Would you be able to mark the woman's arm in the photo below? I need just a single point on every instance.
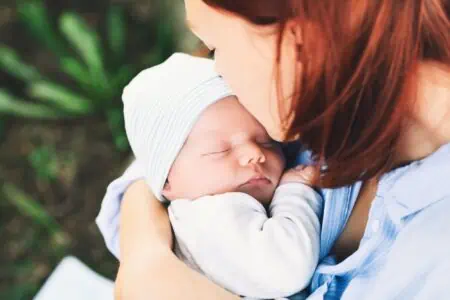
(149, 269)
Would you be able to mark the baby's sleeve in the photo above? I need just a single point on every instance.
(237, 245)
(108, 219)
(295, 212)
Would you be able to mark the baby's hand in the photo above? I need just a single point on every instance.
(300, 174)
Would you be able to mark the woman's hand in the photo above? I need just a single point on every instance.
(301, 174)
(144, 235)
(148, 268)
(144, 226)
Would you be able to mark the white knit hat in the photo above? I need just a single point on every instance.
(161, 106)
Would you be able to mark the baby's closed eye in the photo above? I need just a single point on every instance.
(267, 142)
(216, 149)
(217, 152)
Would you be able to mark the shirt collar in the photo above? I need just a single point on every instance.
(412, 188)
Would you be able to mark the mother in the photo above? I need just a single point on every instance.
(365, 86)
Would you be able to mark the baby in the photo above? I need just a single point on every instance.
(236, 217)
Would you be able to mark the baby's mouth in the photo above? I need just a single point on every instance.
(257, 179)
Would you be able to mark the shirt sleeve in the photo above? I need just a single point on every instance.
(108, 219)
(418, 263)
(237, 245)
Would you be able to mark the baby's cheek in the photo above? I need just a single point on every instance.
(208, 181)
(278, 162)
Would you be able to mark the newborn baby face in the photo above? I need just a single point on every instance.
(228, 150)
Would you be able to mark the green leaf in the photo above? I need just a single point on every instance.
(11, 63)
(45, 163)
(76, 71)
(101, 87)
(85, 78)
(165, 44)
(61, 97)
(10, 105)
(121, 142)
(2, 130)
(121, 78)
(30, 207)
(116, 126)
(84, 40)
(34, 15)
(165, 39)
(116, 32)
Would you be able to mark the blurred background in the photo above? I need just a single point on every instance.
(63, 65)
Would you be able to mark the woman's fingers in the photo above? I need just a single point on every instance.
(301, 174)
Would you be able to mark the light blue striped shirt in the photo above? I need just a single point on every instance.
(405, 250)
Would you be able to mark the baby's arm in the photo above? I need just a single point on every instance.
(238, 246)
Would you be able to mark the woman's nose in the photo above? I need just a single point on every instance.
(251, 154)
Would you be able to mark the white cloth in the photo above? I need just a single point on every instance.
(232, 240)
(73, 280)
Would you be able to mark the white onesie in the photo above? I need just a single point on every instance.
(235, 242)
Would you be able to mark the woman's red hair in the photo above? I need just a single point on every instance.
(359, 60)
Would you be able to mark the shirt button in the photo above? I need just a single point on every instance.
(375, 226)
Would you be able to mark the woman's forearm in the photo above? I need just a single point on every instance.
(166, 277)
(149, 269)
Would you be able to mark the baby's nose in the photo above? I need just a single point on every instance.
(251, 154)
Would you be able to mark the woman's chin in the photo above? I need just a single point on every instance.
(282, 136)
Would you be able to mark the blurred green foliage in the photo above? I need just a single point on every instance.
(32, 209)
(58, 240)
(99, 69)
(44, 162)
(96, 55)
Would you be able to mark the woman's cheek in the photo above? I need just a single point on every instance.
(222, 61)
